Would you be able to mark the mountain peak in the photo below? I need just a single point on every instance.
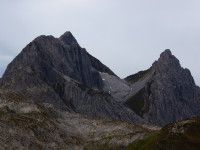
(169, 93)
(167, 59)
(166, 53)
(68, 38)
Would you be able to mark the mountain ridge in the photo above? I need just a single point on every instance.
(169, 89)
(58, 71)
(64, 75)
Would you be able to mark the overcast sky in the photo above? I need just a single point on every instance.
(126, 35)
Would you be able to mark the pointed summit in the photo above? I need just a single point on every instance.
(68, 38)
(168, 94)
(167, 60)
(167, 52)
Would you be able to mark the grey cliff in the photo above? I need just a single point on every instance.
(169, 94)
(58, 71)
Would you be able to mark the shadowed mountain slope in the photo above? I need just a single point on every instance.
(169, 94)
(58, 71)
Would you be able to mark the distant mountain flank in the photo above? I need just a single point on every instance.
(58, 71)
(169, 93)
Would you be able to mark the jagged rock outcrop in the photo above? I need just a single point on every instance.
(47, 56)
(169, 94)
(60, 72)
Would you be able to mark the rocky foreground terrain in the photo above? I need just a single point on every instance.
(31, 125)
(55, 95)
(37, 126)
(165, 93)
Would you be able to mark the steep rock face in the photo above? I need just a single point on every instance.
(60, 72)
(99, 66)
(42, 64)
(93, 102)
(46, 56)
(169, 95)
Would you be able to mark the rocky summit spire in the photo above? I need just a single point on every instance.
(167, 52)
(60, 72)
(169, 94)
(166, 61)
(68, 38)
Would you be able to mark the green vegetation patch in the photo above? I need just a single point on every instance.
(178, 136)
(144, 143)
(136, 77)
